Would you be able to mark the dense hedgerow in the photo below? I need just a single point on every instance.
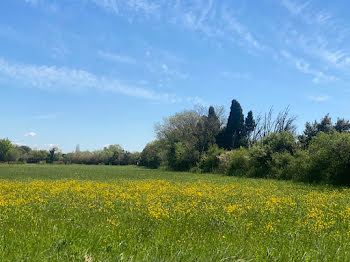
(327, 159)
(262, 148)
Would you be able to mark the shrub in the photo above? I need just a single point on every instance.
(224, 162)
(280, 142)
(299, 167)
(210, 160)
(280, 166)
(259, 161)
(330, 158)
(239, 163)
(271, 157)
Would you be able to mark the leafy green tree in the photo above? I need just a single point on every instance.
(5, 147)
(180, 132)
(13, 154)
(221, 138)
(330, 158)
(325, 125)
(117, 154)
(153, 154)
(25, 149)
(311, 130)
(202, 134)
(208, 128)
(342, 125)
(36, 156)
(134, 158)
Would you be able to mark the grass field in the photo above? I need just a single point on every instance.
(110, 213)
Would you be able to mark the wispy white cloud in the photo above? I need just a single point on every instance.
(215, 20)
(171, 72)
(31, 134)
(322, 49)
(322, 98)
(209, 17)
(124, 7)
(46, 5)
(304, 67)
(234, 26)
(308, 14)
(116, 58)
(61, 78)
(325, 37)
(32, 2)
(53, 78)
(294, 7)
(154, 64)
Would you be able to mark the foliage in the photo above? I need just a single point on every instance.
(330, 158)
(153, 154)
(112, 155)
(235, 127)
(36, 156)
(224, 161)
(280, 143)
(325, 126)
(187, 136)
(210, 160)
(239, 163)
(280, 166)
(299, 167)
(249, 127)
(5, 147)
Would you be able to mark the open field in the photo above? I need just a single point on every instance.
(111, 213)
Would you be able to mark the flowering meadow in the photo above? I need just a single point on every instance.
(111, 213)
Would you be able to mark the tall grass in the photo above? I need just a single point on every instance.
(111, 213)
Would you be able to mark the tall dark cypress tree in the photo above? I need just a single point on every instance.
(213, 126)
(235, 126)
(249, 126)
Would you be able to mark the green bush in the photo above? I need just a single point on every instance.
(299, 167)
(210, 160)
(280, 166)
(259, 163)
(272, 156)
(239, 163)
(280, 143)
(330, 158)
(224, 162)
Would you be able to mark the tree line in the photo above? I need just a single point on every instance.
(111, 155)
(203, 140)
(264, 146)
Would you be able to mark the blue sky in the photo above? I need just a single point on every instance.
(97, 72)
